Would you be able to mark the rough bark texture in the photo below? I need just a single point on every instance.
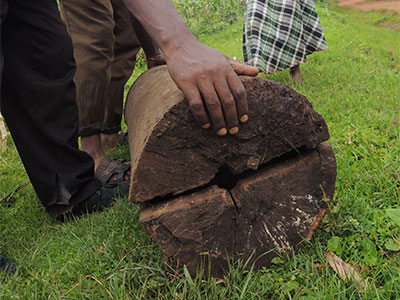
(267, 212)
(171, 153)
(206, 198)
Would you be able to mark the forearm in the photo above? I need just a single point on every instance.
(149, 46)
(207, 77)
(162, 22)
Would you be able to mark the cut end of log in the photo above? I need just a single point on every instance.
(207, 199)
(266, 213)
(171, 153)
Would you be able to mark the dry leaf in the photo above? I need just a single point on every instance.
(345, 271)
(355, 266)
(319, 267)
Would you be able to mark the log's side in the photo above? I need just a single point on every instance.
(268, 212)
(171, 154)
(150, 98)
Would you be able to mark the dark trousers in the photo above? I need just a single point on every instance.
(38, 101)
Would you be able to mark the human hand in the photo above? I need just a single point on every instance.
(156, 60)
(209, 80)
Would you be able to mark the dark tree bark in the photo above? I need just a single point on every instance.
(206, 198)
(171, 153)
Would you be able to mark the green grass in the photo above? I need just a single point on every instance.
(209, 16)
(355, 85)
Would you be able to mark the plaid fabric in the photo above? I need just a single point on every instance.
(279, 34)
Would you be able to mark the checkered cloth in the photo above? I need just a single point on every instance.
(279, 34)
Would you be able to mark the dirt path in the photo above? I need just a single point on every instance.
(371, 5)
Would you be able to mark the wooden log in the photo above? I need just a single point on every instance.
(265, 213)
(205, 198)
(171, 154)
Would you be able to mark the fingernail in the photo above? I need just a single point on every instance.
(244, 118)
(234, 130)
(222, 131)
(206, 126)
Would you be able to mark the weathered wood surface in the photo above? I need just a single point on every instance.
(251, 196)
(267, 212)
(190, 225)
(171, 153)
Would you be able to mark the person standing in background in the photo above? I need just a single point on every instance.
(279, 34)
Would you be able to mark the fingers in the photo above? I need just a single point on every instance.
(214, 108)
(240, 95)
(212, 87)
(222, 102)
(154, 61)
(228, 105)
(160, 59)
(196, 106)
(243, 69)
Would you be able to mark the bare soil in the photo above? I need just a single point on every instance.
(367, 5)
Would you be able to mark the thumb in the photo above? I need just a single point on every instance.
(160, 59)
(243, 69)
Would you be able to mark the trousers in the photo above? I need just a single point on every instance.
(105, 48)
(38, 101)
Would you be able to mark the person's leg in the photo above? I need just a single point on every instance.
(126, 48)
(6, 265)
(295, 73)
(3, 16)
(91, 26)
(38, 103)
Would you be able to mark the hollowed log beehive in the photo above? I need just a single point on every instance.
(249, 195)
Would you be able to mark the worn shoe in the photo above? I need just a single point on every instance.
(103, 198)
(108, 167)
